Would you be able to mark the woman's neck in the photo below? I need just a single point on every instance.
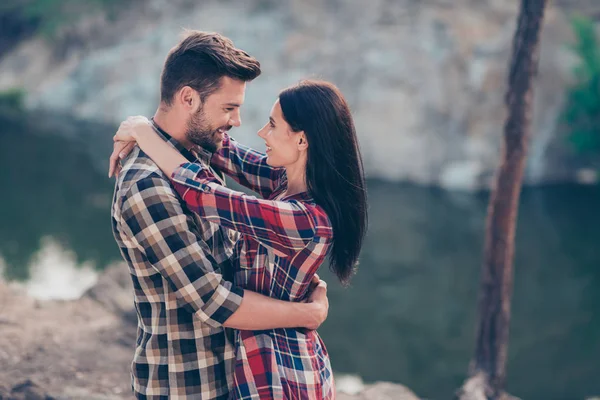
(296, 178)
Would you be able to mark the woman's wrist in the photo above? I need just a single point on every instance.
(141, 131)
(143, 135)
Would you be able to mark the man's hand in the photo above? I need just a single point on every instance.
(318, 297)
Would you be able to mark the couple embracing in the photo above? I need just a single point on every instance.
(225, 284)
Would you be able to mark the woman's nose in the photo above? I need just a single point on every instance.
(261, 132)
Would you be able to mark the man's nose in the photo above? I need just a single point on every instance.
(235, 120)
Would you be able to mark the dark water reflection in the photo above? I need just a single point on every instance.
(410, 313)
(51, 188)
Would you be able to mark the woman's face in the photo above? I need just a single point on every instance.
(284, 146)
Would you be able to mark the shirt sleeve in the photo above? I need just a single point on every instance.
(247, 166)
(285, 226)
(170, 241)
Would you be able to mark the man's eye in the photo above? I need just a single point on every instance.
(229, 109)
(272, 125)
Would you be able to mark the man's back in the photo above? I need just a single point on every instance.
(181, 298)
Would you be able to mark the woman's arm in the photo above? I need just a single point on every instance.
(247, 166)
(138, 129)
(285, 226)
(164, 155)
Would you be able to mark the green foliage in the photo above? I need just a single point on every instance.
(12, 99)
(582, 111)
(50, 15)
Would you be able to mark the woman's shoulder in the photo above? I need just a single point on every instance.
(322, 224)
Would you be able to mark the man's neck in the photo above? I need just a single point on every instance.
(173, 125)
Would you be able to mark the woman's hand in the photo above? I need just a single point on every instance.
(125, 139)
(120, 151)
(131, 128)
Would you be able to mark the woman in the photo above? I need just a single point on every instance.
(312, 182)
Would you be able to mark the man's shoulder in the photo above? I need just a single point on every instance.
(139, 171)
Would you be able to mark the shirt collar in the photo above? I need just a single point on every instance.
(191, 155)
(302, 196)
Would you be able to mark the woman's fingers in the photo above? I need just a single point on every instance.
(126, 150)
(124, 134)
(113, 161)
(124, 142)
(120, 151)
(127, 128)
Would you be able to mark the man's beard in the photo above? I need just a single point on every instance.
(200, 133)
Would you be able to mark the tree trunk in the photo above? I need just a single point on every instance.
(487, 371)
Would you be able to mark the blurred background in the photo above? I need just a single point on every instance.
(426, 82)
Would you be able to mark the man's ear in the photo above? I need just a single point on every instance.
(189, 98)
(302, 141)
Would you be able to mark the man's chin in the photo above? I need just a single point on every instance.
(208, 146)
(218, 145)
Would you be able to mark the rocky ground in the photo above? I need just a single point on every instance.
(64, 350)
(82, 349)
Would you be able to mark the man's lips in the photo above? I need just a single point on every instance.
(222, 130)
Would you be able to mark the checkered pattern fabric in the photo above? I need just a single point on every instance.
(176, 261)
(282, 245)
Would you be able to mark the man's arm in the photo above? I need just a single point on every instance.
(158, 226)
(253, 314)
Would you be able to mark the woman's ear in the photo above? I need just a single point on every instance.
(302, 142)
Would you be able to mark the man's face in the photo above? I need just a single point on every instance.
(219, 113)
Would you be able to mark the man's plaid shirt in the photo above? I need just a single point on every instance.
(176, 263)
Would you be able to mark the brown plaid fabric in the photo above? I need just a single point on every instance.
(177, 263)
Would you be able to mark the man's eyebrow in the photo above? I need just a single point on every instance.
(272, 120)
(233, 104)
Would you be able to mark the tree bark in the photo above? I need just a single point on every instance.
(487, 372)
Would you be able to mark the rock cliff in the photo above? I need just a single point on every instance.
(425, 79)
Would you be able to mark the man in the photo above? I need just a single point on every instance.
(178, 261)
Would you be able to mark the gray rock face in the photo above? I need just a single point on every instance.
(425, 79)
(114, 292)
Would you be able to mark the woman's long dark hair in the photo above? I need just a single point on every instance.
(334, 168)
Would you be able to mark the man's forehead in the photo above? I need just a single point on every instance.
(231, 92)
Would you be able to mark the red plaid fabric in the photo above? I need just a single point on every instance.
(282, 245)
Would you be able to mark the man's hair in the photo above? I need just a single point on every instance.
(200, 60)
